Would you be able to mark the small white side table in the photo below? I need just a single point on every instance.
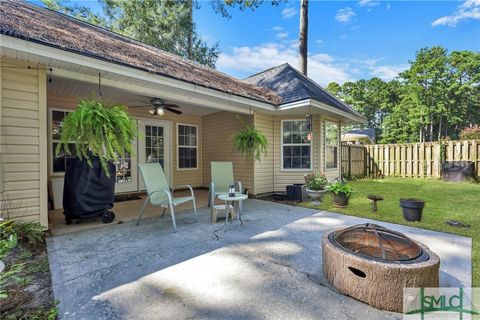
(231, 201)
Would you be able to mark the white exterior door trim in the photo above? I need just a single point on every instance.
(168, 148)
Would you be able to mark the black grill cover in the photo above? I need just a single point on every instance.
(88, 192)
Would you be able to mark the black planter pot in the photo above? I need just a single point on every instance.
(340, 200)
(412, 209)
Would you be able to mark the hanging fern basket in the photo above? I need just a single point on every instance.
(98, 130)
(251, 142)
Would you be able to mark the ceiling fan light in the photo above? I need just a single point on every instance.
(152, 111)
(159, 111)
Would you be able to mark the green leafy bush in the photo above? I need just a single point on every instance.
(98, 130)
(340, 187)
(32, 233)
(316, 181)
(251, 142)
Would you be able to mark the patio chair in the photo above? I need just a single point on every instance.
(222, 177)
(159, 193)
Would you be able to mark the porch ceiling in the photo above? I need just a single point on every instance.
(69, 87)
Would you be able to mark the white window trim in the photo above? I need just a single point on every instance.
(51, 153)
(294, 144)
(331, 145)
(178, 146)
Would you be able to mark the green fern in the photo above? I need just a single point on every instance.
(98, 130)
(251, 142)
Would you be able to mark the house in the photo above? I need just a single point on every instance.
(354, 136)
(49, 60)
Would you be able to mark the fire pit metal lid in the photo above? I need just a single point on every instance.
(375, 242)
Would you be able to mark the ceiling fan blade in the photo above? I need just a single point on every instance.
(171, 105)
(172, 110)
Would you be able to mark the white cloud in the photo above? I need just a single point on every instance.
(282, 35)
(289, 12)
(389, 6)
(368, 3)
(322, 67)
(319, 42)
(345, 15)
(277, 28)
(469, 9)
(387, 72)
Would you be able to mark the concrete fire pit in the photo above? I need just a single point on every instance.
(374, 264)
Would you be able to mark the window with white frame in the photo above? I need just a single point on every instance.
(187, 140)
(331, 145)
(296, 147)
(58, 162)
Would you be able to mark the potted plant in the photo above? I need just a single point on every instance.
(341, 192)
(316, 185)
(412, 209)
(101, 134)
(251, 142)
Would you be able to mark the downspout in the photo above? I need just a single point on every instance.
(274, 153)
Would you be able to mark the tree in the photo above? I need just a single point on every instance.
(438, 96)
(303, 37)
(167, 25)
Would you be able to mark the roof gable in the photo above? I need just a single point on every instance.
(36, 24)
(291, 86)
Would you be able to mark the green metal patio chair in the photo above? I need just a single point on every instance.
(159, 193)
(222, 177)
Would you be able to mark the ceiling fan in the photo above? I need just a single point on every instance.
(158, 107)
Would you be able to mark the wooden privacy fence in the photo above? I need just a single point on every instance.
(353, 161)
(416, 160)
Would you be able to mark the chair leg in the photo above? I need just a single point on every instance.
(172, 213)
(163, 212)
(194, 209)
(142, 210)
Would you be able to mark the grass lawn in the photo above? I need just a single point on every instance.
(455, 201)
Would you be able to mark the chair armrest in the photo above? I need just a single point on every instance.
(239, 184)
(184, 186)
(169, 195)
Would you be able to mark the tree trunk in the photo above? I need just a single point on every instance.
(190, 32)
(303, 38)
(440, 122)
(431, 129)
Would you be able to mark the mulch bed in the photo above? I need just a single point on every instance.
(27, 284)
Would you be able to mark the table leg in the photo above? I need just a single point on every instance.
(226, 212)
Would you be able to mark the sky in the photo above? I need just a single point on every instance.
(348, 40)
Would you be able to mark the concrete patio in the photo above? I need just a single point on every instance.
(269, 268)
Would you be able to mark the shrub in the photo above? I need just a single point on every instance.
(316, 181)
(471, 133)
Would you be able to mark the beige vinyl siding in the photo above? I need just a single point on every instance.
(23, 140)
(218, 129)
(264, 168)
(192, 177)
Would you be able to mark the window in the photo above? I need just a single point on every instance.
(187, 146)
(331, 145)
(296, 147)
(58, 162)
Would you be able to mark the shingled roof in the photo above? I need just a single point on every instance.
(292, 86)
(36, 24)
